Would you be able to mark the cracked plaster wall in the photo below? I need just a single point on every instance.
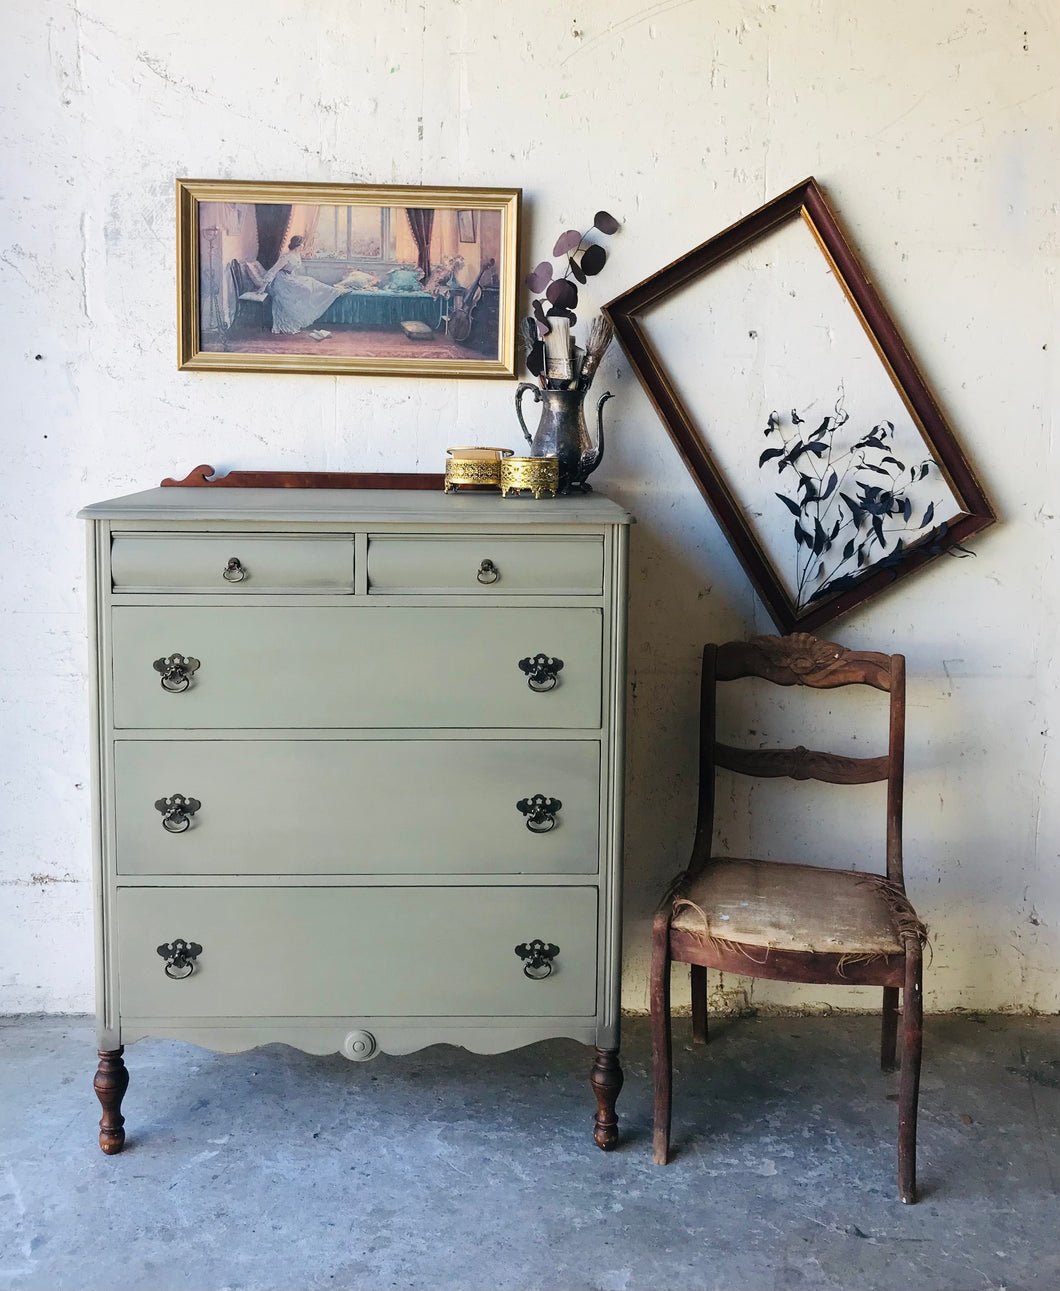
(933, 130)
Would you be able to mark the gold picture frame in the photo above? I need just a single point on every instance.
(346, 278)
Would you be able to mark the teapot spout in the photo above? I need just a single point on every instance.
(592, 459)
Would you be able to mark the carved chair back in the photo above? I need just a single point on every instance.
(802, 660)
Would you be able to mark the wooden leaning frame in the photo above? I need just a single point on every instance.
(804, 202)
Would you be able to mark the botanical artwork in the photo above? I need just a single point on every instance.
(799, 411)
(347, 278)
(856, 505)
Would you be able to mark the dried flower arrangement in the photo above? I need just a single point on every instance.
(552, 354)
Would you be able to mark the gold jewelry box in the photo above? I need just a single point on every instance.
(474, 467)
(538, 474)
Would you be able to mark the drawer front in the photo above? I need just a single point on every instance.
(202, 563)
(558, 566)
(355, 666)
(358, 807)
(357, 952)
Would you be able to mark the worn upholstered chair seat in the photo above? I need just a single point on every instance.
(778, 905)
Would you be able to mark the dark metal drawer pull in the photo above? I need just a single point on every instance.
(233, 572)
(176, 670)
(180, 957)
(540, 812)
(539, 956)
(177, 812)
(542, 671)
(488, 572)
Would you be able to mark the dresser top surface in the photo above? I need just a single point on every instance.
(372, 506)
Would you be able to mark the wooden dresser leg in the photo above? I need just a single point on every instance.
(606, 1080)
(110, 1084)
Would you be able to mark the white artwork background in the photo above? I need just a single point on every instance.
(767, 331)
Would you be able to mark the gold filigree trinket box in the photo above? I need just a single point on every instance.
(474, 467)
(537, 474)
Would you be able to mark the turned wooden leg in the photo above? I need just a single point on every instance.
(909, 1080)
(606, 1079)
(110, 1084)
(698, 975)
(889, 1028)
(661, 1053)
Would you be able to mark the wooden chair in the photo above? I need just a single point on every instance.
(250, 300)
(786, 921)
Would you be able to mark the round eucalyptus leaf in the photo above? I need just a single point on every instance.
(593, 259)
(562, 293)
(605, 223)
(539, 278)
(566, 242)
(576, 269)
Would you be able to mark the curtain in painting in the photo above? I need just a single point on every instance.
(272, 220)
(302, 222)
(421, 222)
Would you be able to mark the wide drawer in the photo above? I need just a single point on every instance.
(355, 666)
(358, 807)
(319, 564)
(488, 565)
(357, 952)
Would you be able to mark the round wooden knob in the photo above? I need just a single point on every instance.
(359, 1046)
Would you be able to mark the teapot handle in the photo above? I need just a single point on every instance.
(520, 390)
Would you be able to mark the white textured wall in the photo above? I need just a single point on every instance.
(933, 128)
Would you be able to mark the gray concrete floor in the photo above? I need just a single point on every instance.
(281, 1171)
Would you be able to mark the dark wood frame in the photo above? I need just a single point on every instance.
(797, 660)
(805, 201)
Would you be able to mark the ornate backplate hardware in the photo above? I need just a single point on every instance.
(539, 956)
(540, 812)
(180, 957)
(542, 671)
(177, 812)
(176, 670)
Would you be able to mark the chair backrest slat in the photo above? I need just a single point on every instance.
(802, 660)
(801, 764)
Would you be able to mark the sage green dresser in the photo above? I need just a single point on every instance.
(358, 769)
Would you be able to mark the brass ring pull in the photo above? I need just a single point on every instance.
(538, 956)
(176, 670)
(180, 957)
(233, 572)
(177, 812)
(488, 572)
(540, 812)
(542, 672)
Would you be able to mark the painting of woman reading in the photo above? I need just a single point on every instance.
(354, 286)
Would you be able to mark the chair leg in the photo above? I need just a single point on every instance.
(662, 1058)
(889, 1028)
(698, 976)
(909, 1081)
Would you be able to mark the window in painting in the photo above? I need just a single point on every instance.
(354, 232)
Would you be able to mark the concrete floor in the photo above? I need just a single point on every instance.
(281, 1171)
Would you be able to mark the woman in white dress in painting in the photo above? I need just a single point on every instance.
(297, 299)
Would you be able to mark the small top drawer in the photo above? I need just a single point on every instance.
(241, 564)
(488, 565)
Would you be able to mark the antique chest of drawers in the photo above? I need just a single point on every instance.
(358, 773)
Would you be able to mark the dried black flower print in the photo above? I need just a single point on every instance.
(852, 502)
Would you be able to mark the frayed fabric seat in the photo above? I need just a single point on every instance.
(790, 921)
(779, 905)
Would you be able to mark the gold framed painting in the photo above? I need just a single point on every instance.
(346, 278)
